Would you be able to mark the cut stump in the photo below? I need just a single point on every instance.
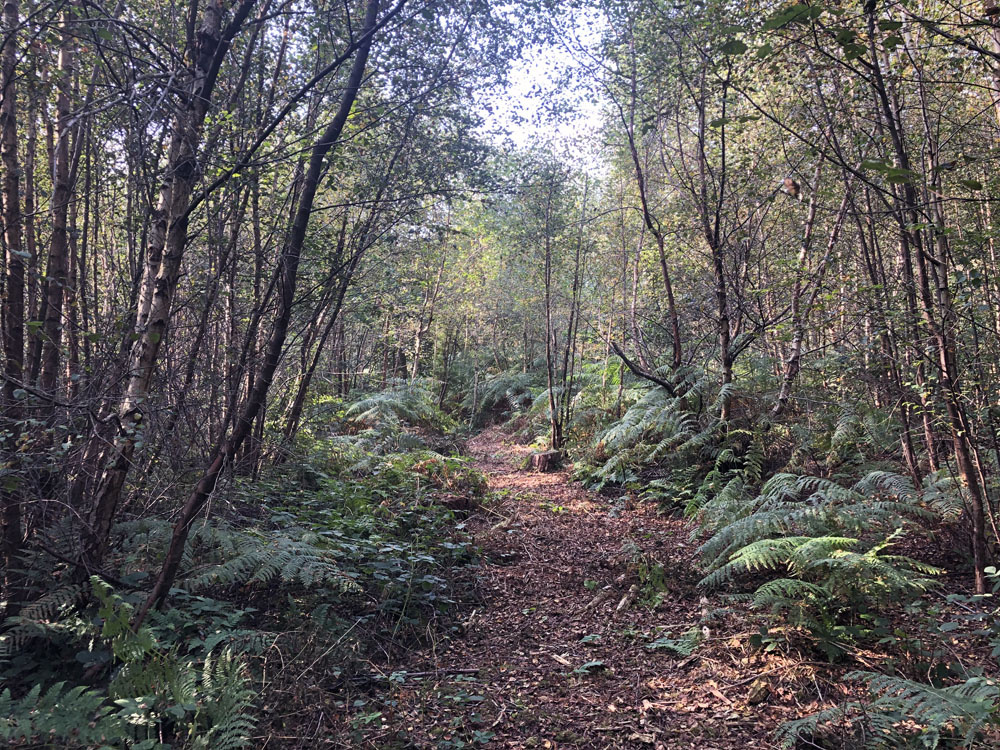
(546, 460)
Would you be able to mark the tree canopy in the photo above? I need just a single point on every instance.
(268, 266)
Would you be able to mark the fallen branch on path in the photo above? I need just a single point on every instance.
(378, 677)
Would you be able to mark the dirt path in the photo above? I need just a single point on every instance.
(540, 664)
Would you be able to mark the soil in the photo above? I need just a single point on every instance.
(562, 644)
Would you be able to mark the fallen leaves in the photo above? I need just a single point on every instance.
(560, 629)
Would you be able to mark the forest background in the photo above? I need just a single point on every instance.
(268, 263)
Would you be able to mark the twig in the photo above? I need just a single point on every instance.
(375, 677)
(601, 597)
(782, 668)
(630, 596)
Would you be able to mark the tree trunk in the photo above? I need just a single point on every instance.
(13, 306)
(289, 264)
(165, 251)
(555, 422)
(941, 330)
(57, 267)
(800, 313)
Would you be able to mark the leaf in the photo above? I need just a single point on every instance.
(899, 176)
(846, 36)
(971, 184)
(591, 666)
(853, 51)
(876, 165)
(734, 47)
(797, 13)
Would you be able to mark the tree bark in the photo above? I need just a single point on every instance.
(13, 305)
(800, 312)
(57, 266)
(938, 303)
(555, 422)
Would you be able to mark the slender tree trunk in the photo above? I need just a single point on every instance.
(13, 307)
(298, 403)
(289, 264)
(800, 313)
(165, 251)
(57, 267)
(423, 326)
(942, 329)
(555, 421)
(33, 313)
(655, 229)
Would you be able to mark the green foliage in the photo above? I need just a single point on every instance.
(76, 715)
(43, 618)
(154, 692)
(409, 402)
(656, 428)
(683, 646)
(358, 434)
(230, 557)
(827, 584)
(790, 504)
(797, 529)
(448, 473)
(306, 556)
(506, 393)
(869, 575)
(901, 713)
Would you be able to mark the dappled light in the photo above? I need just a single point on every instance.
(539, 374)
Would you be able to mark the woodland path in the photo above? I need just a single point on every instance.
(514, 678)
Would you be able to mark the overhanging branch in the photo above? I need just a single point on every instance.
(642, 373)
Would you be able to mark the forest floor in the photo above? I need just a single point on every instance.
(573, 635)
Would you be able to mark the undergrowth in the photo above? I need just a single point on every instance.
(802, 520)
(335, 556)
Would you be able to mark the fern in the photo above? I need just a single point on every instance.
(789, 593)
(791, 504)
(826, 581)
(901, 711)
(126, 645)
(44, 618)
(791, 552)
(247, 559)
(686, 645)
(509, 392)
(942, 493)
(411, 402)
(74, 716)
(223, 721)
(830, 559)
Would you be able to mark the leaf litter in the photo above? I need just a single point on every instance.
(582, 627)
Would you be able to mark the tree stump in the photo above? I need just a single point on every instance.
(546, 460)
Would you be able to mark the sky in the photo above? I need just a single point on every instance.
(543, 105)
